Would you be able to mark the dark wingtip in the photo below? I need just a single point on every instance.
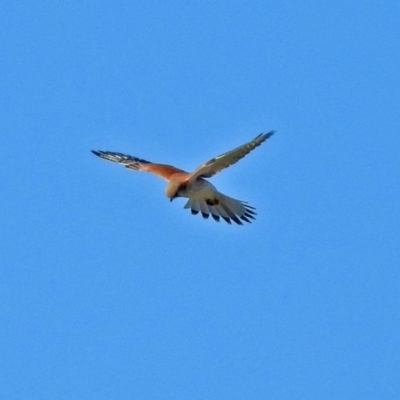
(226, 219)
(216, 217)
(97, 153)
(237, 220)
(244, 218)
(268, 134)
(262, 137)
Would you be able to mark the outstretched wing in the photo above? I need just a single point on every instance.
(216, 164)
(163, 170)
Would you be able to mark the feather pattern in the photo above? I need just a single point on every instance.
(163, 170)
(224, 160)
(228, 209)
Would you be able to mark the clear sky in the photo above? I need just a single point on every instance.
(109, 291)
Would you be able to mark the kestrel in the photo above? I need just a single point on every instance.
(203, 196)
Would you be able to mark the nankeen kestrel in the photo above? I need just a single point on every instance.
(203, 196)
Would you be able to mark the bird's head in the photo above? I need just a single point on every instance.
(173, 189)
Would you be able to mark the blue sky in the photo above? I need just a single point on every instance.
(108, 290)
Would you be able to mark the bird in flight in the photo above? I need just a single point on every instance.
(203, 197)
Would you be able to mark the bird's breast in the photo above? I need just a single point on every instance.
(199, 188)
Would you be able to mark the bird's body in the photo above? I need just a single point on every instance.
(203, 196)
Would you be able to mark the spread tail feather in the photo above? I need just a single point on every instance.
(225, 207)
